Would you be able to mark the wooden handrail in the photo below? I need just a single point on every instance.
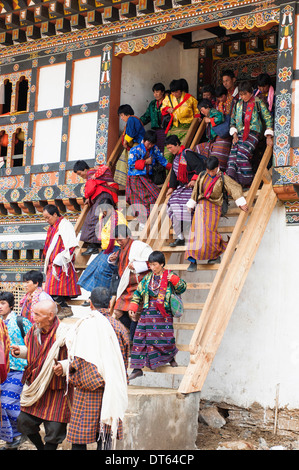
(198, 335)
(153, 230)
(229, 279)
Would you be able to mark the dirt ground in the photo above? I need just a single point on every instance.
(237, 438)
(229, 437)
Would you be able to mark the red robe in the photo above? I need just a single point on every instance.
(53, 405)
(66, 284)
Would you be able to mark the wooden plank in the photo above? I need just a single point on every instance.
(229, 253)
(183, 326)
(199, 285)
(180, 370)
(200, 267)
(193, 305)
(183, 347)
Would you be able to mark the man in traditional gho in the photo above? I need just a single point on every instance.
(99, 351)
(4, 351)
(247, 120)
(58, 253)
(132, 264)
(205, 243)
(99, 185)
(11, 389)
(45, 398)
(229, 81)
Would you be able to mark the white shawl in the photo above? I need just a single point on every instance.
(33, 392)
(94, 340)
(139, 251)
(68, 235)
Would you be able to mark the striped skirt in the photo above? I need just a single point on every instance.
(10, 405)
(177, 210)
(219, 148)
(64, 284)
(154, 342)
(121, 169)
(142, 193)
(239, 166)
(204, 241)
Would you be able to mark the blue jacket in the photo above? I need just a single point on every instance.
(138, 153)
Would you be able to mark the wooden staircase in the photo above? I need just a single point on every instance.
(222, 283)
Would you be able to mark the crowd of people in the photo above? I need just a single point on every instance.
(73, 380)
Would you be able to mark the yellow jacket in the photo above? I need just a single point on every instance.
(106, 230)
(185, 113)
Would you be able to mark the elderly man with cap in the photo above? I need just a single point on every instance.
(98, 353)
(44, 399)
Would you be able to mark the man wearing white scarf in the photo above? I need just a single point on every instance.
(98, 350)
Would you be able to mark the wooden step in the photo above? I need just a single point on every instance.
(183, 326)
(193, 306)
(199, 285)
(183, 347)
(200, 267)
(180, 370)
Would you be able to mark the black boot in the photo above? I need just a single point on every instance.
(91, 250)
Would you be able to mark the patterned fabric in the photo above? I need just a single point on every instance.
(256, 125)
(232, 187)
(54, 404)
(122, 303)
(66, 284)
(176, 205)
(98, 273)
(16, 338)
(154, 342)
(204, 241)
(219, 148)
(89, 388)
(239, 165)
(133, 134)
(216, 118)
(29, 300)
(142, 193)
(4, 351)
(10, 405)
(139, 152)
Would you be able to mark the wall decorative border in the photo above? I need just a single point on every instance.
(135, 46)
(283, 103)
(252, 21)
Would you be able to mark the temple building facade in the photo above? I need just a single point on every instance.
(66, 67)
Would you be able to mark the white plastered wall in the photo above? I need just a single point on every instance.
(260, 348)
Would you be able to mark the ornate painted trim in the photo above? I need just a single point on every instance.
(135, 46)
(252, 21)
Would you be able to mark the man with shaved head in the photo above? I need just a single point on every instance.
(44, 399)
